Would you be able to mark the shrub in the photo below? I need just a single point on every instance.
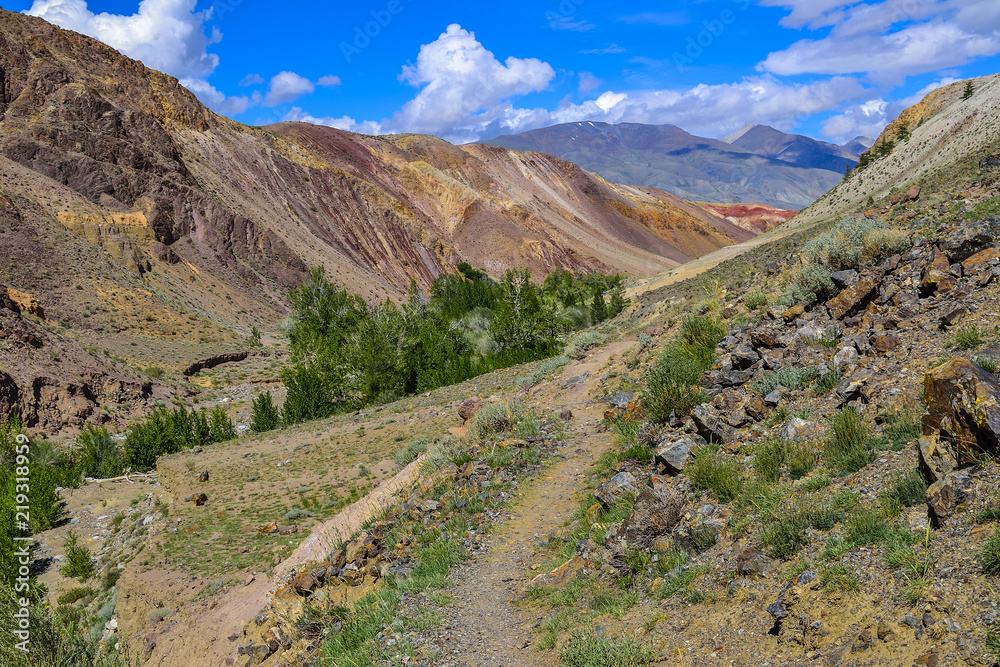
(808, 284)
(908, 488)
(755, 299)
(989, 556)
(785, 534)
(264, 415)
(671, 383)
(74, 595)
(308, 395)
(498, 419)
(970, 337)
(856, 242)
(410, 453)
(703, 333)
(789, 377)
(850, 448)
(587, 650)
(584, 342)
(801, 459)
(988, 364)
(769, 461)
(711, 471)
(78, 565)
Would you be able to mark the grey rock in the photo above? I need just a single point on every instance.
(621, 400)
(711, 427)
(573, 381)
(675, 456)
(611, 492)
(844, 279)
(773, 399)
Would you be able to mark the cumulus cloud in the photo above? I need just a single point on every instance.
(287, 87)
(460, 79)
(887, 40)
(328, 81)
(216, 99)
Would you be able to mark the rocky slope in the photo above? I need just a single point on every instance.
(762, 165)
(152, 231)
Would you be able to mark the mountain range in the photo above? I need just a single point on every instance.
(755, 164)
(133, 217)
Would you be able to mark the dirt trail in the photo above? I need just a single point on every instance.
(482, 627)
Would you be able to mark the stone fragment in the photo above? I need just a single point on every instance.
(800, 429)
(764, 338)
(199, 499)
(621, 400)
(852, 299)
(203, 477)
(574, 567)
(711, 427)
(575, 380)
(970, 238)
(937, 276)
(744, 357)
(953, 315)
(946, 494)
(846, 359)
(794, 313)
(675, 456)
(469, 407)
(885, 342)
(963, 409)
(845, 278)
(912, 193)
(981, 261)
(935, 457)
(610, 492)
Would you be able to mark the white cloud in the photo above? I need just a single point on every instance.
(327, 81)
(287, 87)
(887, 40)
(460, 80)
(251, 80)
(343, 123)
(216, 99)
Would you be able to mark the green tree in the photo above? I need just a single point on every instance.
(970, 90)
(598, 309)
(264, 415)
(618, 302)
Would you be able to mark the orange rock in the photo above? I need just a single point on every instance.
(980, 261)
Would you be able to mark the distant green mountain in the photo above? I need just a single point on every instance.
(756, 164)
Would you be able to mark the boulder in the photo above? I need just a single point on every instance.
(621, 401)
(937, 276)
(946, 494)
(711, 426)
(968, 239)
(852, 299)
(912, 193)
(675, 456)
(611, 491)
(469, 407)
(26, 303)
(963, 409)
(981, 261)
(199, 499)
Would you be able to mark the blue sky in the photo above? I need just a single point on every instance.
(832, 69)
